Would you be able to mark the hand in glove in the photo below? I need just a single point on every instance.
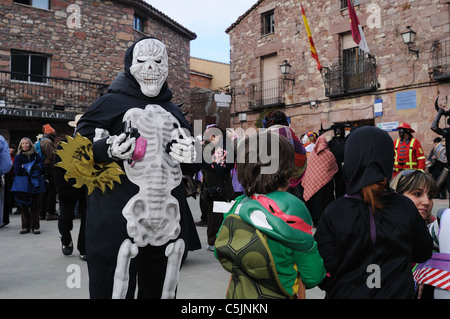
(121, 148)
(182, 148)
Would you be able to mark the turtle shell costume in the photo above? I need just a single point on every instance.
(266, 243)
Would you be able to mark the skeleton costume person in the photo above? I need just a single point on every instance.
(139, 231)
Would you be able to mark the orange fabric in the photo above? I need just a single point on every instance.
(47, 129)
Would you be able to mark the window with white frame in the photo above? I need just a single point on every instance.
(29, 66)
(42, 4)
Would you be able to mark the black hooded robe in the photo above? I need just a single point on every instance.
(344, 237)
(105, 224)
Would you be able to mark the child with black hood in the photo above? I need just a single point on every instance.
(369, 238)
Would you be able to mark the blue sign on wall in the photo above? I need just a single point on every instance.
(406, 100)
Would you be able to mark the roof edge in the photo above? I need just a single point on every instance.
(206, 75)
(242, 17)
(155, 13)
(218, 62)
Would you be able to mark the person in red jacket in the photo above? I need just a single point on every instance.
(408, 151)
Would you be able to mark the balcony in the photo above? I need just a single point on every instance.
(441, 60)
(266, 94)
(352, 77)
(19, 92)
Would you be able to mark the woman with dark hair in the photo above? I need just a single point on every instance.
(369, 238)
(266, 240)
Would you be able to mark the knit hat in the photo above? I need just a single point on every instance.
(311, 136)
(47, 129)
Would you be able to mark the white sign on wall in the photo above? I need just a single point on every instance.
(378, 107)
(222, 99)
(388, 126)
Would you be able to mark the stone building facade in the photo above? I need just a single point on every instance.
(78, 42)
(392, 86)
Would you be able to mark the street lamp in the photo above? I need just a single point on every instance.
(285, 70)
(409, 37)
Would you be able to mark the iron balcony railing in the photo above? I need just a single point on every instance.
(18, 90)
(441, 60)
(353, 76)
(268, 93)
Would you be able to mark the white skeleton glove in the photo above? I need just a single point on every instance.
(182, 148)
(121, 148)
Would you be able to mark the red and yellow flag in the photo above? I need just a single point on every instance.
(311, 41)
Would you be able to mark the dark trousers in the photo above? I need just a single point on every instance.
(48, 198)
(214, 222)
(67, 204)
(30, 214)
(203, 209)
(319, 201)
(339, 184)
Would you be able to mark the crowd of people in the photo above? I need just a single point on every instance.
(350, 214)
(33, 186)
(355, 209)
(374, 211)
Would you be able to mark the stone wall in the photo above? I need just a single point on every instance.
(94, 50)
(397, 69)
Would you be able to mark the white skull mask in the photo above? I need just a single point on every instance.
(150, 66)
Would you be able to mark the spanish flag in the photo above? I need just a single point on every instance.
(311, 41)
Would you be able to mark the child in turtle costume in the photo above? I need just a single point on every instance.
(266, 239)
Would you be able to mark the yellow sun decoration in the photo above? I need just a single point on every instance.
(77, 158)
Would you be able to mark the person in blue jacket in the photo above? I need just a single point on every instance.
(5, 166)
(28, 184)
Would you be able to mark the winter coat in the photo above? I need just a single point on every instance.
(370, 254)
(28, 180)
